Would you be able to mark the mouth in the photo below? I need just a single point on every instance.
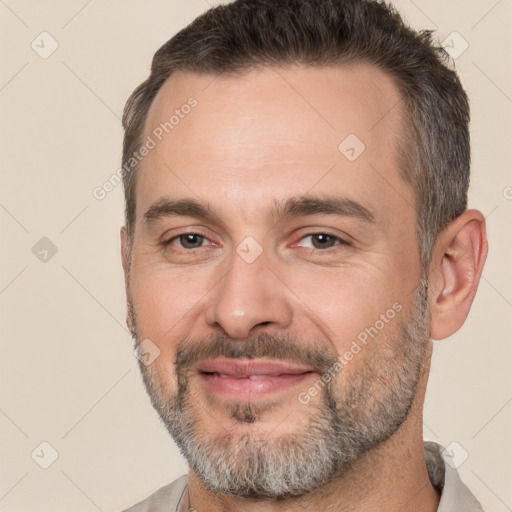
(250, 378)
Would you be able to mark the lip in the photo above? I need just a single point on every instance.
(239, 368)
(250, 378)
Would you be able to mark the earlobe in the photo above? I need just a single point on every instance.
(457, 263)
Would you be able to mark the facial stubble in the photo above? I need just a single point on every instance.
(354, 413)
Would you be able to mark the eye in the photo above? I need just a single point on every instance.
(187, 240)
(323, 241)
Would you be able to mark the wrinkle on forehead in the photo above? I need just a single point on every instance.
(258, 131)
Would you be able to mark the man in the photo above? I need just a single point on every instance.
(297, 233)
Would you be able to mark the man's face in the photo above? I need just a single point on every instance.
(306, 265)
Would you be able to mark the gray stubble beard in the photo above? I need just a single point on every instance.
(351, 418)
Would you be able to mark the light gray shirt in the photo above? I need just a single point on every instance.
(455, 496)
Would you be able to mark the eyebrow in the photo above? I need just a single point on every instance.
(324, 205)
(289, 208)
(178, 207)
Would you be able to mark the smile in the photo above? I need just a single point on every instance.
(256, 378)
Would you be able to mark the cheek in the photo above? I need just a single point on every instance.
(164, 303)
(347, 304)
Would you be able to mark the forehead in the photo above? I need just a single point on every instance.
(271, 132)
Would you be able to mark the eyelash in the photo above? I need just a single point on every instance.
(177, 237)
(341, 241)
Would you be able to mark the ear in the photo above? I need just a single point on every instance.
(125, 260)
(458, 259)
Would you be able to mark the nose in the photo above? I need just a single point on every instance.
(249, 297)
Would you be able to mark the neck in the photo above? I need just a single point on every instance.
(389, 478)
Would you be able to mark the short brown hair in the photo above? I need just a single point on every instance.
(247, 34)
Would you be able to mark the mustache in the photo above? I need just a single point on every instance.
(264, 345)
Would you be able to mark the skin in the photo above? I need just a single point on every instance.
(262, 137)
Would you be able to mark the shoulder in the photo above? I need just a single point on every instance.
(163, 499)
(455, 496)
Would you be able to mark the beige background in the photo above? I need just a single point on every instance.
(67, 373)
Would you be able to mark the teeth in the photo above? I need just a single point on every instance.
(252, 377)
